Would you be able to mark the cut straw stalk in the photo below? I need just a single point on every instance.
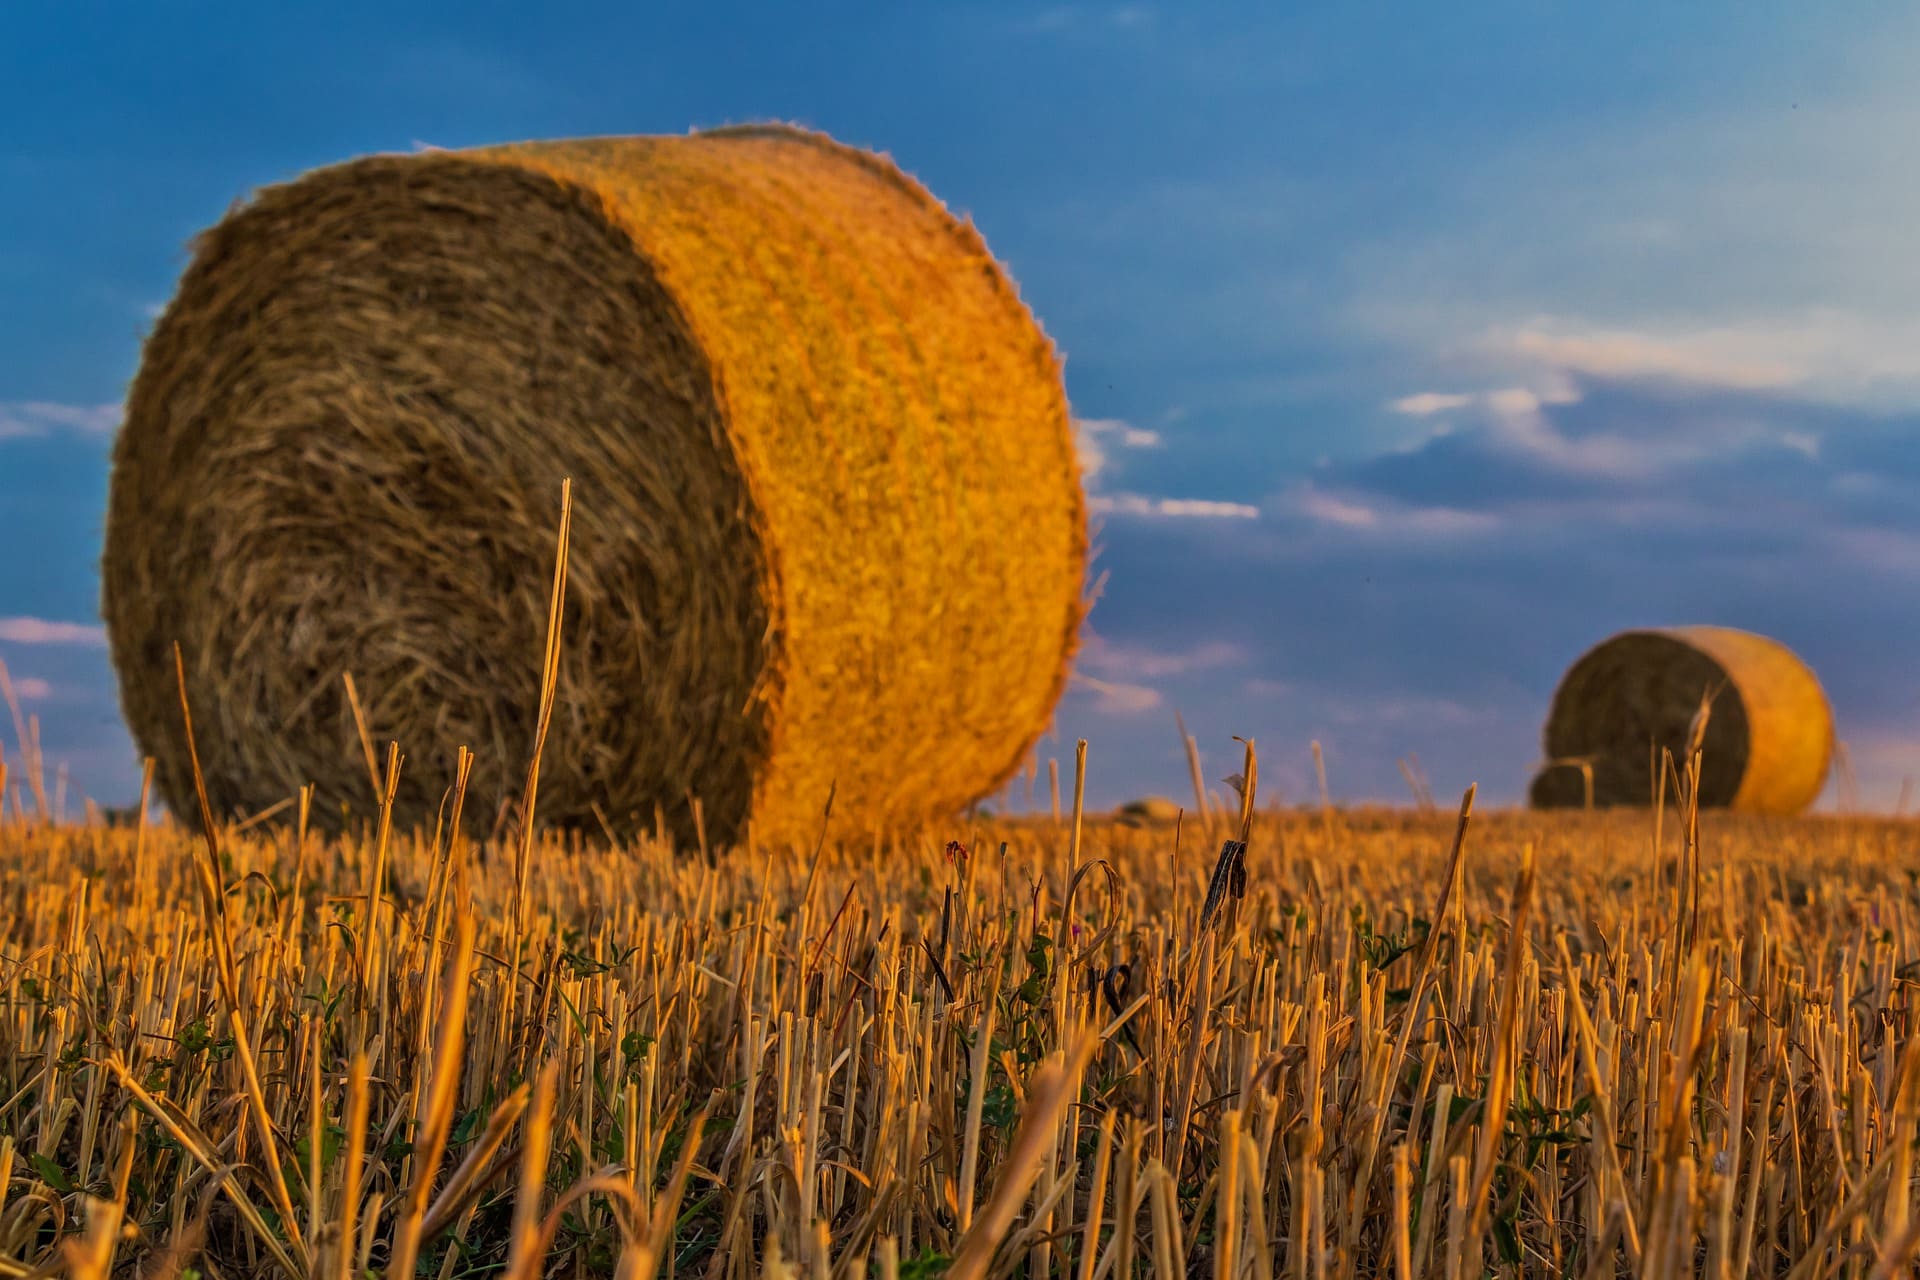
(549, 682)
(1049, 1093)
(442, 1097)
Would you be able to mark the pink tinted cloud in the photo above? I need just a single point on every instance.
(44, 631)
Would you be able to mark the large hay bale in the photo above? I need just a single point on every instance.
(828, 525)
(1769, 735)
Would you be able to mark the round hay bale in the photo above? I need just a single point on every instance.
(1148, 811)
(1769, 736)
(828, 527)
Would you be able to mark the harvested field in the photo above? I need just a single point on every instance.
(1024, 1052)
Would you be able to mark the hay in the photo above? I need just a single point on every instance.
(1769, 737)
(828, 528)
(1149, 811)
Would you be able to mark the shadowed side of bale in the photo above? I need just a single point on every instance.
(828, 530)
(1633, 697)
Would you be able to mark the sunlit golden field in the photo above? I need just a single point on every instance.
(1020, 1053)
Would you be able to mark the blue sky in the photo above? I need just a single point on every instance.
(1416, 347)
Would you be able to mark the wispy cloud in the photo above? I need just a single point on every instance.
(1121, 686)
(32, 689)
(1116, 697)
(1742, 358)
(1101, 442)
(1425, 404)
(21, 418)
(1555, 389)
(1139, 662)
(1137, 504)
(1328, 508)
(1824, 354)
(1374, 514)
(42, 631)
(1520, 422)
(1097, 438)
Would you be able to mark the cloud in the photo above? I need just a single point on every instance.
(1553, 427)
(1143, 663)
(1745, 359)
(1427, 403)
(1098, 440)
(1855, 356)
(1119, 698)
(1119, 689)
(1359, 512)
(41, 631)
(1127, 673)
(1093, 437)
(1555, 389)
(1328, 508)
(1135, 504)
(1520, 427)
(21, 418)
(1515, 419)
(32, 689)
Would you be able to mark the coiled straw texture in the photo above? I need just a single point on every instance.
(828, 529)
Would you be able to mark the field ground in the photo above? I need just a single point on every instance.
(1597, 1058)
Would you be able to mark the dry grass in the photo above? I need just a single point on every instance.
(1364, 1044)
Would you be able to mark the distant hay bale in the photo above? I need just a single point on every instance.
(828, 526)
(1769, 737)
(1148, 811)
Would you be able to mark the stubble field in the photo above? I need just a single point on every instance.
(1370, 1044)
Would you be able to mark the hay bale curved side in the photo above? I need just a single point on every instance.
(1790, 723)
(950, 524)
(828, 525)
(1769, 738)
